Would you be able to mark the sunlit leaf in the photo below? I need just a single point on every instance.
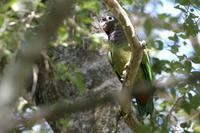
(148, 27)
(159, 44)
(64, 122)
(91, 5)
(190, 25)
(174, 38)
(196, 59)
(62, 34)
(183, 2)
(1, 21)
(7, 5)
(127, 1)
(188, 66)
(196, 128)
(175, 49)
(181, 8)
(163, 16)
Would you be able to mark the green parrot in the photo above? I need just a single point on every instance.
(120, 54)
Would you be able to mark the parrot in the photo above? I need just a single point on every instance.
(119, 54)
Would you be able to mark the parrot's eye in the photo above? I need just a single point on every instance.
(110, 18)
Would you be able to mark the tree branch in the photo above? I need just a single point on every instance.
(61, 108)
(133, 64)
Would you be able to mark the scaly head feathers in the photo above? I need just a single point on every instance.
(108, 24)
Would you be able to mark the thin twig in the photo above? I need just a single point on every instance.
(174, 106)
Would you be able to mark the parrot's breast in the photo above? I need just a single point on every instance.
(120, 58)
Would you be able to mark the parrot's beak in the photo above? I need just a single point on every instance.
(109, 26)
(105, 27)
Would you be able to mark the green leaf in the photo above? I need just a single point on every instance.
(148, 27)
(79, 81)
(192, 10)
(1, 21)
(163, 16)
(174, 38)
(196, 128)
(159, 44)
(90, 5)
(7, 5)
(184, 36)
(188, 66)
(181, 57)
(190, 103)
(196, 59)
(196, 2)
(185, 104)
(64, 122)
(160, 65)
(176, 65)
(86, 20)
(62, 34)
(183, 2)
(180, 8)
(174, 49)
(127, 2)
(185, 124)
(74, 75)
(190, 25)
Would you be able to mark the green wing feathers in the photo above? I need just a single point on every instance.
(145, 101)
(118, 59)
(146, 66)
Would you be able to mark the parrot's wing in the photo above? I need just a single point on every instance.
(146, 108)
(111, 63)
(145, 64)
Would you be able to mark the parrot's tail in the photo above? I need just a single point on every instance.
(144, 104)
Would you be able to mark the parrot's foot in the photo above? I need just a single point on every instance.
(143, 44)
(121, 114)
(124, 73)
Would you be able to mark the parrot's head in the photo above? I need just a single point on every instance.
(108, 24)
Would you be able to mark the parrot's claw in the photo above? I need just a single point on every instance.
(126, 65)
(143, 44)
(124, 73)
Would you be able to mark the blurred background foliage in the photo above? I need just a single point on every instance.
(170, 27)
